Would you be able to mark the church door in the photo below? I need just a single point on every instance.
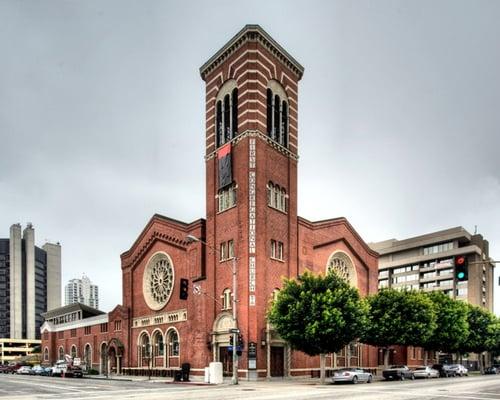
(226, 358)
(277, 361)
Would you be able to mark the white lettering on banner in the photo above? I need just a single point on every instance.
(251, 219)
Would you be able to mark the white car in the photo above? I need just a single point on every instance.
(459, 369)
(59, 368)
(353, 375)
(425, 372)
(24, 370)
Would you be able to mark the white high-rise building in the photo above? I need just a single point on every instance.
(82, 291)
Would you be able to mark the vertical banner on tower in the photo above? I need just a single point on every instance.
(251, 221)
(224, 165)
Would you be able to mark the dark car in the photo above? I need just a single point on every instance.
(399, 372)
(444, 371)
(492, 371)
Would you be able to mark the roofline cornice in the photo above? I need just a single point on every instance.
(252, 33)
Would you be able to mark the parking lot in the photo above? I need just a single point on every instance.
(18, 387)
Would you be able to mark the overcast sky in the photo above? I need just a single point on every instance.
(102, 117)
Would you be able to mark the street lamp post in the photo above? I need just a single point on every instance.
(234, 332)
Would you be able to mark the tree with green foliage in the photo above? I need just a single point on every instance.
(399, 317)
(452, 327)
(480, 321)
(494, 337)
(318, 314)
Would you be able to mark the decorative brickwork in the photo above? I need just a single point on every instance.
(262, 151)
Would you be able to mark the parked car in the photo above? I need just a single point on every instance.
(459, 369)
(444, 370)
(25, 370)
(59, 368)
(38, 369)
(400, 372)
(425, 372)
(353, 375)
(10, 368)
(492, 371)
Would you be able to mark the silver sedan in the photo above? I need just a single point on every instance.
(425, 372)
(353, 375)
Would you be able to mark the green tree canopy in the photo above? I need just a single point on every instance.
(480, 321)
(318, 314)
(452, 324)
(399, 317)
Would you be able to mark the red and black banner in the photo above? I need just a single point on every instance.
(224, 162)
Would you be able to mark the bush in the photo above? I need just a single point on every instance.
(93, 372)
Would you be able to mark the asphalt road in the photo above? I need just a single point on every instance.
(13, 387)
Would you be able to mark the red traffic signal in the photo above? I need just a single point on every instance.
(461, 268)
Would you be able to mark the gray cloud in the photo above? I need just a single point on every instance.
(101, 117)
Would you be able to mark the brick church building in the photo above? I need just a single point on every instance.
(177, 291)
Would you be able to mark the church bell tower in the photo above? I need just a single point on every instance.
(251, 177)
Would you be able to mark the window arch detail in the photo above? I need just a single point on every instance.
(87, 355)
(46, 354)
(341, 264)
(277, 113)
(61, 353)
(158, 345)
(158, 281)
(227, 298)
(74, 352)
(226, 113)
(277, 197)
(173, 343)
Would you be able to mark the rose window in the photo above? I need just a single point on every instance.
(158, 281)
(341, 264)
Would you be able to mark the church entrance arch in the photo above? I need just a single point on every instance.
(221, 341)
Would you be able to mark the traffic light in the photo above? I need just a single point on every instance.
(239, 348)
(461, 268)
(183, 294)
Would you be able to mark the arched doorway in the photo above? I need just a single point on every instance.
(103, 367)
(115, 354)
(87, 356)
(221, 341)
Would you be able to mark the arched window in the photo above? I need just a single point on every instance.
(269, 112)
(284, 124)
(234, 111)
(73, 351)
(87, 356)
(173, 343)
(158, 344)
(219, 127)
(341, 264)
(61, 353)
(276, 125)
(46, 354)
(145, 345)
(227, 119)
(277, 113)
(226, 113)
(226, 299)
(276, 197)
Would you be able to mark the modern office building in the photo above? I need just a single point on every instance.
(427, 262)
(30, 283)
(81, 291)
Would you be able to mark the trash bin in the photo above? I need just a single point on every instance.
(186, 367)
(177, 375)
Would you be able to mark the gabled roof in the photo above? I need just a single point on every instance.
(86, 311)
(252, 33)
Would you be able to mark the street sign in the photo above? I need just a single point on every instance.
(196, 289)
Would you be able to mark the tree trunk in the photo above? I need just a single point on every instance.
(426, 356)
(322, 365)
(481, 364)
(386, 358)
